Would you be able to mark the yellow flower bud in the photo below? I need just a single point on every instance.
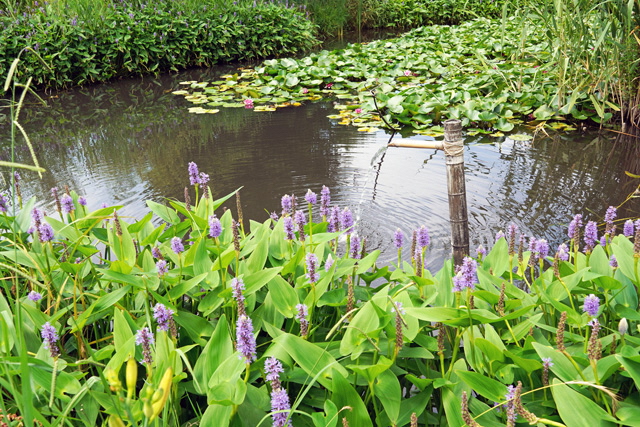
(115, 421)
(131, 377)
(112, 378)
(161, 395)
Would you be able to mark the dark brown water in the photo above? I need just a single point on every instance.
(130, 141)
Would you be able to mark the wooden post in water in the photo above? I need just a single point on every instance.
(454, 151)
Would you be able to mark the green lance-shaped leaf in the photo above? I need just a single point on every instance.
(218, 348)
(575, 409)
(345, 395)
(387, 389)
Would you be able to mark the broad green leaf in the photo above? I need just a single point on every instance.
(345, 395)
(575, 409)
(218, 348)
(484, 385)
(387, 390)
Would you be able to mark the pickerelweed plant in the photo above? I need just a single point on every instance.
(491, 74)
(189, 319)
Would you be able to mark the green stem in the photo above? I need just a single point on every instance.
(54, 376)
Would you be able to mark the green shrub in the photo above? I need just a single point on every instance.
(128, 40)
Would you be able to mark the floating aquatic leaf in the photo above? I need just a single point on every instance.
(368, 129)
(188, 83)
(520, 137)
(180, 92)
(264, 108)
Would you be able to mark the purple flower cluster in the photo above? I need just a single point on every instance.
(300, 219)
(34, 296)
(50, 338)
(346, 220)
(44, 230)
(82, 201)
(246, 342)
(609, 216)
(328, 263)
(481, 251)
(162, 268)
(628, 228)
(287, 204)
(303, 317)
(311, 197)
(354, 249)
(280, 405)
(563, 252)
(574, 228)
(288, 228)
(334, 220)
(144, 338)
(4, 203)
(590, 235)
(67, 204)
(591, 305)
(398, 239)
(499, 235)
(215, 227)
(163, 316)
(176, 245)
(312, 266)
(196, 177)
(465, 275)
(325, 200)
(423, 239)
(237, 288)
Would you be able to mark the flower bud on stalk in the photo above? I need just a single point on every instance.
(131, 377)
(161, 395)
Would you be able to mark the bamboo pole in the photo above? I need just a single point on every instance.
(437, 145)
(454, 151)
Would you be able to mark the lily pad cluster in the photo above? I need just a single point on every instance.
(490, 74)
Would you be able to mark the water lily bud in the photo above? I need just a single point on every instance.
(623, 326)
(131, 377)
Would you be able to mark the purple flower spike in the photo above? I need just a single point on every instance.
(481, 251)
(4, 203)
(203, 178)
(67, 204)
(312, 267)
(423, 239)
(499, 235)
(591, 305)
(355, 247)
(273, 369)
(246, 342)
(346, 220)
(303, 318)
(280, 402)
(194, 177)
(34, 296)
(237, 287)
(590, 235)
(542, 247)
(163, 316)
(328, 263)
(613, 261)
(465, 275)
(144, 338)
(82, 201)
(611, 214)
(287, 204)
(325, 200)
(563, 252)
(45, 232)
(176, 245)
(398, 239)
(574, 227)
(215, 228)
(628, 228)
(334, 220)
(300, 218)
(50, 338)
(288, 228)
(162, 267)
(274, 216)
(311, 197)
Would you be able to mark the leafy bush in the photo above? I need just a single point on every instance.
(128, 40)
(234, 320)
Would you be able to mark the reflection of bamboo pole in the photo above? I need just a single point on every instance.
(454, 150)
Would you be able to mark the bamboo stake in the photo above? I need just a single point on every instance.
(454, 151)
(437, 145)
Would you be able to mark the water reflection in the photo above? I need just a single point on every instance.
(130, 141)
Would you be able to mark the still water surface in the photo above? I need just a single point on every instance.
(130, 141)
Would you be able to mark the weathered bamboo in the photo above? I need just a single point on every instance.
(454, 151)
(437, 145)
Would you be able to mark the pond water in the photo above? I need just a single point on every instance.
(131, 140)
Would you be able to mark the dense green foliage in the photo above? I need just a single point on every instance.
(124, 39)
(410, 344)
(481, 72)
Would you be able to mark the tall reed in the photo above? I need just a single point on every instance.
(595, 46)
